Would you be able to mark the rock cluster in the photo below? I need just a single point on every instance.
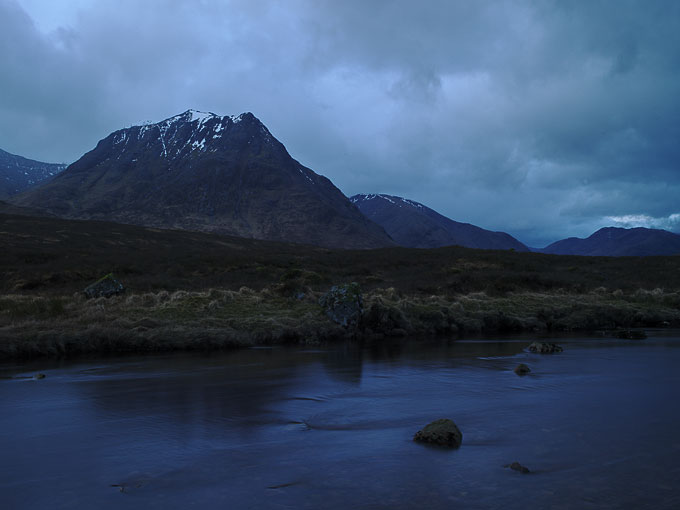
(544, 348)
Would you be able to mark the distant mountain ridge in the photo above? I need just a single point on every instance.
(18, 174)
(229, 175)
(413, 225)
(617, 242)
(201, 171)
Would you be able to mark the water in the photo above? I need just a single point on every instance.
(598, 425)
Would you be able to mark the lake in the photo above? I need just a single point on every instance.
(598, 425)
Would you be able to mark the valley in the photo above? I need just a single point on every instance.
(221, 239)
(339, 255)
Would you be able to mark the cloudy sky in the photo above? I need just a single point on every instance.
(544, 119)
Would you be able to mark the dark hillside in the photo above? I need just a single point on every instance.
(19, 174)
(51, 255)
(619, 242)
(204, 172)
(414, 225)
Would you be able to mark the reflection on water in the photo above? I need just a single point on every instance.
(332, 428)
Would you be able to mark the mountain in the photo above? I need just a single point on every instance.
(413, 225)
(6, 208)
(616, 242)
(200, 171)
(18, 174)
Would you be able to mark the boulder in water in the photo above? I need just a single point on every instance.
(441, 432)
(516, 466)
(522, 369)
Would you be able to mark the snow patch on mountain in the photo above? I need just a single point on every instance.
(362, 197)
(412, 204)
(143, 129)
(373, 196)
(398, 201)
(218, 129)
(185, 133)
(196, 145)
(201, 117)
(306, 174)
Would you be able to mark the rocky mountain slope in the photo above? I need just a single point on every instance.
(414, 225)
(18, 174)
(613, 241)
(200, 171)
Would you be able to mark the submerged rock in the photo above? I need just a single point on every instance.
(441, 432)
(522, 369)
(516, 466)
(631, 334)
(128, 485)
(344, 304)
(136, 480)
(544, 347)
(105, 287)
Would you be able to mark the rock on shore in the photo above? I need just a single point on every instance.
(105, 287)
(344, 304)
(631, 334)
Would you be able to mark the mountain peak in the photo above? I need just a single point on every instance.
(202, 117)
(415, 225)
(202, 171)
(193, 116)
(196, 118)
(190, 131)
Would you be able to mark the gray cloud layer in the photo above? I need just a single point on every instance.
(542, 118)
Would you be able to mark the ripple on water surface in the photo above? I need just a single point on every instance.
(289, 428)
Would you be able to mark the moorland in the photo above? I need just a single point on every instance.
(190, 290)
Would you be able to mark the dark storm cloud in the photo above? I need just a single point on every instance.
(541, 118)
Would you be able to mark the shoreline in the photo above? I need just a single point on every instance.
(35, 326)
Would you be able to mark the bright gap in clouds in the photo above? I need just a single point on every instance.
(671, 222)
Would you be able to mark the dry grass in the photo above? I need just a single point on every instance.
(188, 290)
(221, 318)
(156, 321)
